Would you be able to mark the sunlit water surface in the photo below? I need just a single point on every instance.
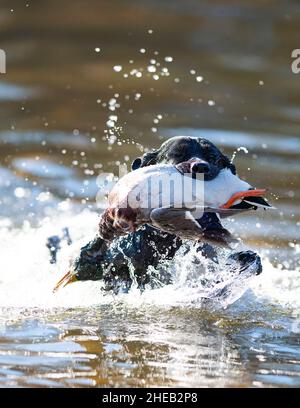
(91, 87)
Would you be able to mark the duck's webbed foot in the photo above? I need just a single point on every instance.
(54, 244)
(181, 222)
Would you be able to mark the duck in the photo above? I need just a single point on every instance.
(171, 197)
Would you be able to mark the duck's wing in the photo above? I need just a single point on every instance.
(182, 222)
(227, 212)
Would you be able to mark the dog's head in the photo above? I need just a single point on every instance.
(182, 148)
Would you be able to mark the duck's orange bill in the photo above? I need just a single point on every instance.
(65, 280)
(241, 195)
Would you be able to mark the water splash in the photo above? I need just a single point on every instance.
(239, 149)
(27, 280)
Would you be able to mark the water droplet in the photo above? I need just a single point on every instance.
(151, 68)
(117, 68)
(110, 123)
(43, 196)
(112, 139)
(112, 101)
(20, 192)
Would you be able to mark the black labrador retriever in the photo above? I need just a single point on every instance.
(128, 258)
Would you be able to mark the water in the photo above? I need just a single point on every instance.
(67, 114)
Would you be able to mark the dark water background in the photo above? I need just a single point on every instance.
(220, 69)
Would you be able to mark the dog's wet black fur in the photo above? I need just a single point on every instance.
(182, 148)
(128, 258)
